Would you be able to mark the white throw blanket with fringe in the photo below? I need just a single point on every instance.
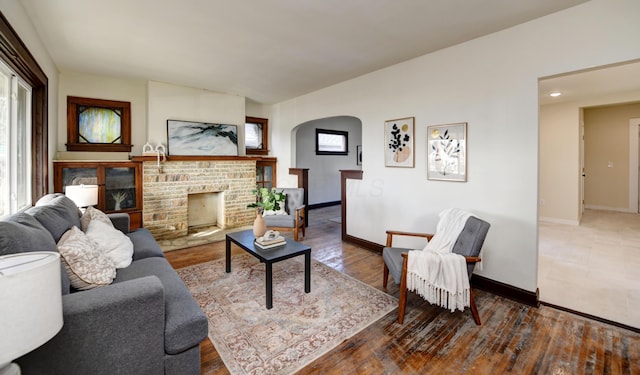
(436, 273)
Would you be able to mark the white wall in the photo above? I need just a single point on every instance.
(559, 156)
(17, 17)
(491, 83)
(172, 102)
(559, 194)
(324, 175)
(152, 104)
(108, 88)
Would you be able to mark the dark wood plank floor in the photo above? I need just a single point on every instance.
(514, 338)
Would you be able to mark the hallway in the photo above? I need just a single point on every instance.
(593, 268)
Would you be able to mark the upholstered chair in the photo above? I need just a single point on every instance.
(292, 219)
(468, 244)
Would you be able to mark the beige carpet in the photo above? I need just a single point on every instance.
(298, 329)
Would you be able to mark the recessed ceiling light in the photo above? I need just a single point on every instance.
(555, 94)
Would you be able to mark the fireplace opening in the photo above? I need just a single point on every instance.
(203, 211)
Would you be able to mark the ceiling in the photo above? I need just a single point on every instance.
(592, 83)
(265, 50)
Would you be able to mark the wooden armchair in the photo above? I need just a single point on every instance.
(294, 219)
(468, 244)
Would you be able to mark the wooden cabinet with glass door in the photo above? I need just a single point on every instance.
(119, 184)
(266, 172)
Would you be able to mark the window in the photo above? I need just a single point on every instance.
(15, 142)
(332, 142)
(23, 179)
(98, 125)
(256, 136)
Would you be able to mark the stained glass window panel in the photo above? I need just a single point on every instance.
(99, 125)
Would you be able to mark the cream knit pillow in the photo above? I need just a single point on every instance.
(86, 265)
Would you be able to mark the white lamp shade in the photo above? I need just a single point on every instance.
(82, 195)
(30, 302)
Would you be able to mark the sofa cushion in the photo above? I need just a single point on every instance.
(91, 214)
(85, 264)
(58, 216)
(21, 233)
(185, 322)
(144, 245)
(111, 242)
(286, 221)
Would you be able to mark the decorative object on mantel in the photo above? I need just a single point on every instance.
(160, 152)
(201, 138)
(300, 328)
(447, 152)
(399, 143)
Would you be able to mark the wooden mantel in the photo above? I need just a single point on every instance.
(195, 158)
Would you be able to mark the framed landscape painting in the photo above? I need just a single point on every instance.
(447, 152)
(201, 138)
(398, 142)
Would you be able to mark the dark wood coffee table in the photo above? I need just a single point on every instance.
(292, 249)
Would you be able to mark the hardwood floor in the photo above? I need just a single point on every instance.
(514, 338)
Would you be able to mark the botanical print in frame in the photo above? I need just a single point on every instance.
(399, 143)
(447, 152)
(201, 138)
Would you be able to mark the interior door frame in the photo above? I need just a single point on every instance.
(634, 160)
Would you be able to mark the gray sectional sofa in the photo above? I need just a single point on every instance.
(144, 322)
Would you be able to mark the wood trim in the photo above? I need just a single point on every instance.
(15, 54)
(592, 317)
(265, 136)
(325, 204)
(197, 158)
(303, 182)
(346, 174)
(506, 290)
(73, 142)
(374, 247)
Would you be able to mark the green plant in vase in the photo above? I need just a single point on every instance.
(267, 199)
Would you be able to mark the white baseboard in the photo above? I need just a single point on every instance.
(554, 220)
(605, 208)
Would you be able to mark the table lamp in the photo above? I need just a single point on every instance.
(30, 304)
(82, 195)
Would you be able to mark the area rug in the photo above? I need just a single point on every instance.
(298, 329)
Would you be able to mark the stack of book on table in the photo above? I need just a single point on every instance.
(269, 241)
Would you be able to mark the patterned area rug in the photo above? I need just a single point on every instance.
(298, 329)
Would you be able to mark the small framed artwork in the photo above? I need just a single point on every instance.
(399, 143)
(201, 138)
(98, 125)
(447, 152)
(359, 155)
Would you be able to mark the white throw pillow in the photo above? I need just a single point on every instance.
(110, 241)
(93, 214)
(281, 211)
(86, 266)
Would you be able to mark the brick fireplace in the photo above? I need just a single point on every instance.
(166, 193)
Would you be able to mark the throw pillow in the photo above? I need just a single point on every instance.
(93, 214)
(86, 266)
(110, 241)
(281, 211)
